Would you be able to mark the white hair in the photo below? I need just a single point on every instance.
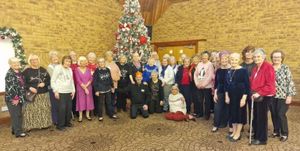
(80, 59)
(12, 60)
(91, 55)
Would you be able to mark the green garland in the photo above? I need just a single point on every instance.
(16, 39)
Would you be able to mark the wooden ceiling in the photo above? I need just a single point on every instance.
(153, 9)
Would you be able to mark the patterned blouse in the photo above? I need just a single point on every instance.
(14, 86)
(284, 83)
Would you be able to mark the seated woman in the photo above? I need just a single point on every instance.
(177, 106)
(15, 95)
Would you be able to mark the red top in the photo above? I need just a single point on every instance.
(185, 77)
(262, 80)
(74, 67)
(92, 67)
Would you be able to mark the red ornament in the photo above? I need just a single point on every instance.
(143, 40)
(121, 26)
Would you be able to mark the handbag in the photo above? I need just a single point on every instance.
(30, 96)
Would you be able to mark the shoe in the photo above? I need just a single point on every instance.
(235, 140)
(283, 138)
(257, 142)
(229, 136)
(89, 118)
(12, 132)
(214, 129)
(21, 135)
(274, 135)
(100, 119)
(61, 129)
(69, 125)
(114, 117)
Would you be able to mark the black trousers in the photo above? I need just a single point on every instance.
(105, 99)
(278, 109)
(221, 111)
(261, 119)
(121, 100)
(95, 98)
(15, 112)
(136, 109)
(203, 101)
(154, 106)
(185, 90)
(64, 109)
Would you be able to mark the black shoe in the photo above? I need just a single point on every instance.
(235, 140)
(69, 125)
(229, 136)
(61, 129)
(257, 142)
(283, 138)
(21, 135)
(274, 135)
(12, 132)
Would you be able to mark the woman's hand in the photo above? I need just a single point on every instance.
(97, 93)
(86, 91)
(33, 90)
(161, 103)
(73, 95)
(288, 100)
(145, 107)
(216, 98)
(41, 85)
(243, 102)
(56, 94)
(15, 102)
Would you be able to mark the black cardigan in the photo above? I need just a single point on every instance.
(160, 91)
(13, 88)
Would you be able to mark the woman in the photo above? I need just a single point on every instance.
(177, 106)
(37, 114)
(221, 112)
(157, 94)
(122, 83)
(156, 58)
(263, 89)
(236, 93)
(54, 61)
(103, 86)
(92, 61)
(84, 93)
(167, 76)
(173, 64)
(183, 81)
(64, 90)
(74, 66)
(195, 62)
(148, 69)
(203, 76)
(285, 90)
(135, 66)
(15, 96)
(248, 63)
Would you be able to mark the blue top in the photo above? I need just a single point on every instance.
(220, 80)
(147, 72)
(238, 81)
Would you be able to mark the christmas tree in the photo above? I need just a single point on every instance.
(132, 34)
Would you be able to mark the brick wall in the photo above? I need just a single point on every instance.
(80, 25)
(234, 24)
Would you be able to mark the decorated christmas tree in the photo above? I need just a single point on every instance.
(132, 34)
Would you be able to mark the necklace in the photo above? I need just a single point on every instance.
(232, 75)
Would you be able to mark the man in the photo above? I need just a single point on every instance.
(140, 96)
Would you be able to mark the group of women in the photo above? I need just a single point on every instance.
(185, 90)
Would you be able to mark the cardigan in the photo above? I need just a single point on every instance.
(204, 75)
(262, 81)
(14, 86)
(62, 80)
(284, 83)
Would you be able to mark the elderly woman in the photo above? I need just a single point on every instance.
(15, 95)
(285, 90)
(64, 90)
(74, 66)
(84, 94)
(177, 106)
(235, 95)
(183, 80)
(263, 89)
(103, 86)
(203, 77)
(167, 76)
(92, 61)
(54, 61)
(135, 66)
(173, 64)
(37, 114)
(123, 83)
(195, 61)
(156, 58)
(248, 63)
(148, 69)
(221, 109)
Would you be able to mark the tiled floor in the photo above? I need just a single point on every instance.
(152, 134)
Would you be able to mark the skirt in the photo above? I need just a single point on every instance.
(37, 114)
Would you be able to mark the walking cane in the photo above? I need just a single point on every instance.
(251, 120)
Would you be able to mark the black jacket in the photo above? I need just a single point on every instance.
(160, 91)
(179, 75)
(140, 94)
(102, 80)
(124, 79)
(13, 87)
